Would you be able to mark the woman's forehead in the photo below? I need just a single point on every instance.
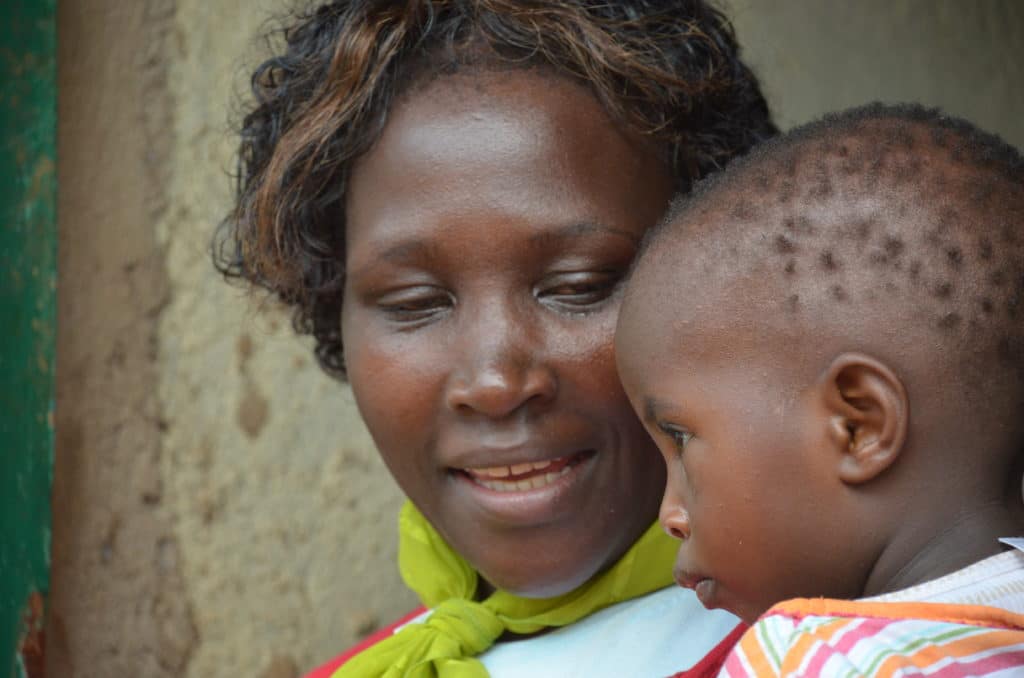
(527, 149)
(494, 119)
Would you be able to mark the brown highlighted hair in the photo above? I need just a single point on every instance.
(666, 69)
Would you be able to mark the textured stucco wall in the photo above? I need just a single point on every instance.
(117, 606)
(219, 508)
(283, 512)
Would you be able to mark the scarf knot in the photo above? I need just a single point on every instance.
(459, 628)
(467, 627)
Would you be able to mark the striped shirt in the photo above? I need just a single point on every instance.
(968, 623)
(834, 638)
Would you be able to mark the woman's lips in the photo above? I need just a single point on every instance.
(525, 476)
(527, 493)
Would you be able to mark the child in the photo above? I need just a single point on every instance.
(826, 342)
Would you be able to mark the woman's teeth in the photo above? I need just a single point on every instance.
(532, 483)
(519, 477)
(513, 470)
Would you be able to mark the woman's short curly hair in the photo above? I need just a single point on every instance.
(667, 69)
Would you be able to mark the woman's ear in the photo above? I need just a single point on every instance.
(869, 412)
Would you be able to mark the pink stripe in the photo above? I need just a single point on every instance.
(733, 666)
(1013, 657)
(869, 627)
(819, 655)
(823, 650)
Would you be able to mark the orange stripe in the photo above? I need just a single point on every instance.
(973, 615)
(752, 650)
(962, 647)
(897, 662)
(799, 650)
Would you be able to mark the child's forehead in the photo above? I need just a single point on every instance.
(683, 303)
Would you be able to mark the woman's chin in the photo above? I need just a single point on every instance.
(534, 582)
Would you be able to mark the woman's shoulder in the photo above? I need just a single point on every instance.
(325, 670)
(663, 633)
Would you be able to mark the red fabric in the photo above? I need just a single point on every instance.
(711, 664)
(330, 667)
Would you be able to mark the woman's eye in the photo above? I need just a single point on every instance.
(578, 289)
(416, 304)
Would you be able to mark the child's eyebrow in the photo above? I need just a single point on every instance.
(651, 408)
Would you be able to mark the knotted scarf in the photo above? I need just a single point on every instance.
(459, 628)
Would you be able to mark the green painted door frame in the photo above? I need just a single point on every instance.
(28, 276)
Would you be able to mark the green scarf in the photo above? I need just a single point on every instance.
(459, 629)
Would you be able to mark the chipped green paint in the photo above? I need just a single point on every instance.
(28, 240)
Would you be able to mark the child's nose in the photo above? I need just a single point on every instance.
(674, 519)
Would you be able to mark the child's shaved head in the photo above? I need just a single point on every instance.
(875, 214)
(854, 289)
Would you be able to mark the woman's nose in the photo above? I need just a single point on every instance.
(501, 367)
(674, 518)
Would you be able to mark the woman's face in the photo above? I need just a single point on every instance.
(487, 233)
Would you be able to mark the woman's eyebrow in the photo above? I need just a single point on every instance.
(416, 250)
(574, 230)
(406, 250)
(402, 252)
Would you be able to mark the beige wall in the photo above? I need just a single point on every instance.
(966, 56)
(219, 508)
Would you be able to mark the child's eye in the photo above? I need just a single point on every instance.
(680, 436)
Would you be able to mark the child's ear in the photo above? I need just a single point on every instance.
(869, 412)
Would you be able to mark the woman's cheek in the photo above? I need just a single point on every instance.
(396, 379)
(588, 341)
(592, 354)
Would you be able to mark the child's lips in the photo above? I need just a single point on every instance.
(687, 580)
(705, 590)
(703, 586)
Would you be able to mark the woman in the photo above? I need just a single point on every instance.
(449, 192)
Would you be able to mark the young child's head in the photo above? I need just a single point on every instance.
(826, 342)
